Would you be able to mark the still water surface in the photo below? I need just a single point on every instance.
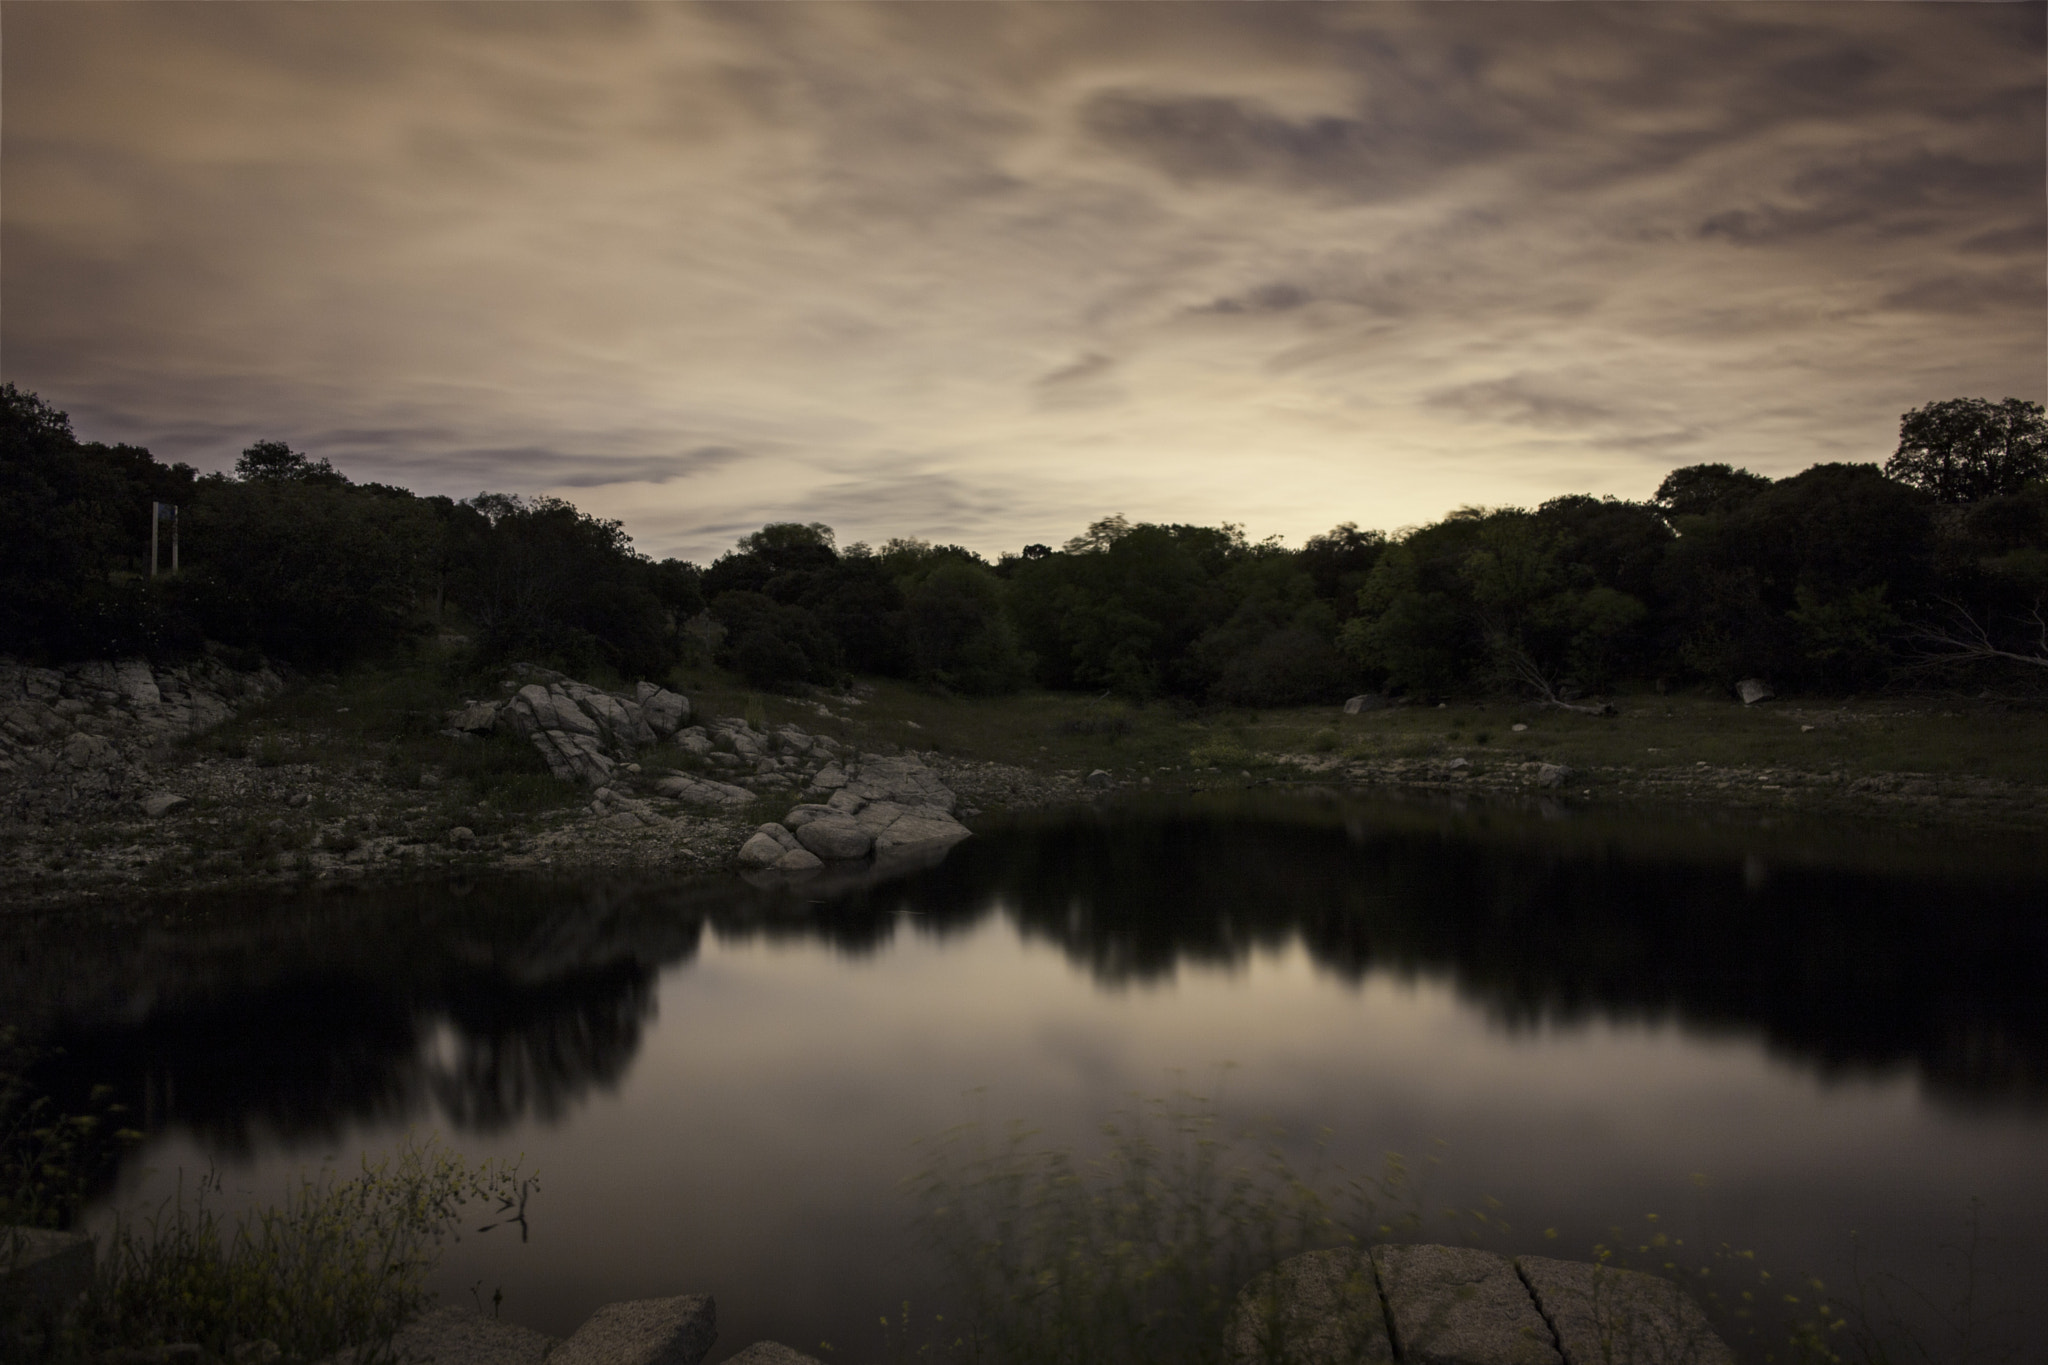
(1773, 1037)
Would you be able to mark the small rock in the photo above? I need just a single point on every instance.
(1368, 701)
(300, 800)
(1552, 775)
(1458, 763)
(1518, 727)
(1100, 778)
(1754, 690)
(462, 836)
(162, 804)
(1806, 729)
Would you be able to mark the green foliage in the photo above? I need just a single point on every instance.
(544, 581)
(1834, 578)
(313, 571)
(339, 1263)
(49, 1160)
(1967, 449)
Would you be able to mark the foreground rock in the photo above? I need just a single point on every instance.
(1438, 1305)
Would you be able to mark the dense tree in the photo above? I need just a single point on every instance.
(1965, 449)
(545, 581)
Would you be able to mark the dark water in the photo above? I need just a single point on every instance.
(1774, 1037)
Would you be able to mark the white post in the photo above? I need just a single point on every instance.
(154, 516)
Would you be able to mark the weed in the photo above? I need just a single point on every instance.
(1136, 1256)
(337, 1264)
(1219, 753)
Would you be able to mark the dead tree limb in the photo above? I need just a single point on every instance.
(1965, 639)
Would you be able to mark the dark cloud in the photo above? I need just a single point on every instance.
(711, 265)
(1085, 370)
(1199, 138)
(1523, 400)
(1267, 298)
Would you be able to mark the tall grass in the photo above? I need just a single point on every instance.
(1134, 1256)
(338, 1264)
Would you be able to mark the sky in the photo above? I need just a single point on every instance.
(984, 273)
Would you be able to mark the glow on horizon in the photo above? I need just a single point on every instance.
(986, 274)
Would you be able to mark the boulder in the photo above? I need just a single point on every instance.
(1365, 701)
(845, 802)
(159, 804)
(677, 1331)
(1100, 778)
(694, 741)
(1552, 775)
(664, 711)
(797, 860)
(801, 815)
(1319, 1308)
(1604, 1315)
(835, 837)
(703, 792)
(1460, 1306)
(90, 751)
(136, 685)
(475, 718)
(761, 850)
(771, 1353)
(1754, 690)
(456, 1335)
(574, 756)
(903, 779)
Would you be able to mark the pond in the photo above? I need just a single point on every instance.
(1793, 1040)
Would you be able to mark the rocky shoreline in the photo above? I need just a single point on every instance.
(113, 786)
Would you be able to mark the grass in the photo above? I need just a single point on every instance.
(1066, 732)
(1134, 1257)
(337, 1263)
(1137, 1255)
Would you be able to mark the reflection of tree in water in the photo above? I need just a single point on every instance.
(1844, 969)
(519, 999)
(534, 1051)
(513, 1004)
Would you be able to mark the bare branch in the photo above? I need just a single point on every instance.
(1966, 639)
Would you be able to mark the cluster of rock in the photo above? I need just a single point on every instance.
(872, 805)
(101, 714)
(585, 733)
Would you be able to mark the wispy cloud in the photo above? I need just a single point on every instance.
(981, 273)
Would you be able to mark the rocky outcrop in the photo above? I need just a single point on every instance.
(85, 737)
(584, 733)
(102, 714)
(875, 805)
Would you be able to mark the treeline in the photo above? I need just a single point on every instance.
(1846, 576)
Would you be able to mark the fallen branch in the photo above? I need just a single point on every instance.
(1967, 640)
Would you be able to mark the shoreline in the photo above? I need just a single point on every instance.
(119, 785)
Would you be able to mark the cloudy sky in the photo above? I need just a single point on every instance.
(983, 273)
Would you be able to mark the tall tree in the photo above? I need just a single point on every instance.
(1970, 448)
